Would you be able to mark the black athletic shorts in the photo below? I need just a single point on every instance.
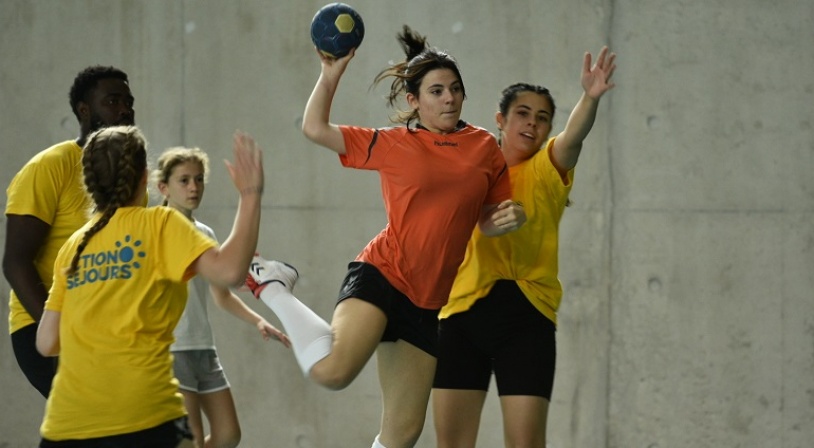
(502, 333)
(405, 321)
(166, 435)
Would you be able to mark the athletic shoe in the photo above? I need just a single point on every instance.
(262, 272)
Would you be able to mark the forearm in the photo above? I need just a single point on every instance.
(25, 237)
(316, 123)
(568, 144)
(48, 334)
(232, 261)
(28, 287)
(239, 309)
(580, 121)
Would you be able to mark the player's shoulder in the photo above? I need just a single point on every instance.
(205, 229)
(67, 152)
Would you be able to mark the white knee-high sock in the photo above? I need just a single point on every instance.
(310, 335)
(377, 444)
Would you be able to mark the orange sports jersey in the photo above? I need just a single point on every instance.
(434, 188)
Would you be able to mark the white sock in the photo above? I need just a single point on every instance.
(310, 335)
(377, 444)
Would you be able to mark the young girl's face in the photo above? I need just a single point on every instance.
(527, 123)
(439, 101)
(185, 188)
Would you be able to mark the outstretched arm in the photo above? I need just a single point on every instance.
(595, 82)
(227, 265)
(230, 302)
(316, 123)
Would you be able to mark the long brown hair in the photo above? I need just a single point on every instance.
(407, 75)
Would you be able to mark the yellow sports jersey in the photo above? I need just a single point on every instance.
(118, 312)
(49, 187)
(528, 255)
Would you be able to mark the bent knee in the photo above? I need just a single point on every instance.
(332, 378)
(230, 439)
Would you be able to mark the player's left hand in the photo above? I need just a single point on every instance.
(508, 216)
(268, 332)
(596, 79)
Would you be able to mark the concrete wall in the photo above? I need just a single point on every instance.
(687, 257)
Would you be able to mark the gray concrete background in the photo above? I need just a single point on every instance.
(687, 257)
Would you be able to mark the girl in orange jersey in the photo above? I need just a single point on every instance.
(440, 178)
(119, 289)
(509, 284)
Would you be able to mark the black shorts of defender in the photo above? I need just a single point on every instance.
(502, 333)
(166, 435)
(405, 321)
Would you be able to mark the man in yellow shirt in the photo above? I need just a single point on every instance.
(46, 204)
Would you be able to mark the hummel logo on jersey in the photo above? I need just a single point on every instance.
(437, 143)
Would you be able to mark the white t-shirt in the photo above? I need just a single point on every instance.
(194, 332)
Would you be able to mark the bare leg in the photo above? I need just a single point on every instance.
(186, 443)
(524, 421)
(357, 329)
(194, 417)
(405, 376)
(456, 413)
(219, 408)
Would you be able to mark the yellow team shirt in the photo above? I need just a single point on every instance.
(118, 312)
(528, 255)
(49, 188)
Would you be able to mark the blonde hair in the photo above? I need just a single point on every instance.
(172, 157)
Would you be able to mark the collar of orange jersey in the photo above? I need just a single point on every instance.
(461, 124)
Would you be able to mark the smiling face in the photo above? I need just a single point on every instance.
(525, 126)
(185, 187)
(439, 101)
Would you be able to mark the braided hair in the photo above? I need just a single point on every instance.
(407, 75)
(113, 162)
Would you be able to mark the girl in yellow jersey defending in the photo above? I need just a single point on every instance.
(119, 290)
(502, 310)
(181, 178)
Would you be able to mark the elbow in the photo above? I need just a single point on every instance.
(7, 267)
(310, 131)
(233, 278)
(47, 348)
(317, 132)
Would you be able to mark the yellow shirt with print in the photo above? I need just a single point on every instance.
(118, 312)
(528, 255)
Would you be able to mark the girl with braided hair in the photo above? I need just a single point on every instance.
(440, 178)
(120, 288)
